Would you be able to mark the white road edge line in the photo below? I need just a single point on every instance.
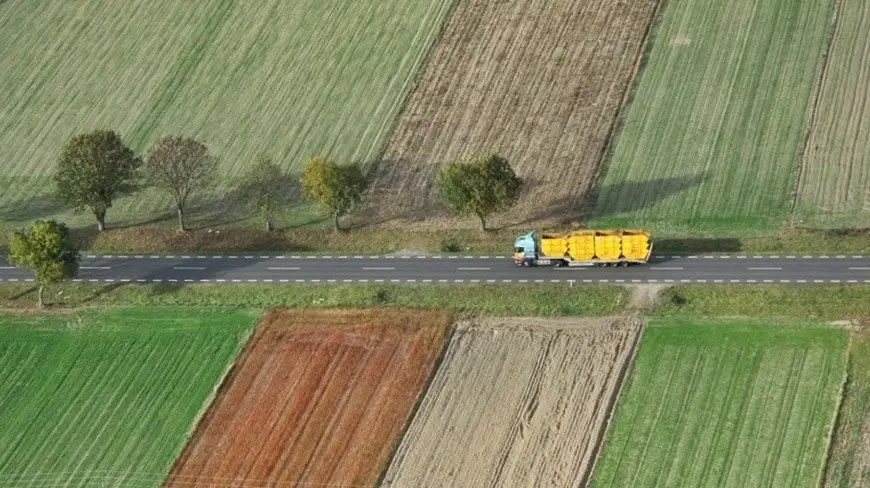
(189, 268)
(666, 268)
(859, 268)
(95, 267)
(379, 269)
(472, 269)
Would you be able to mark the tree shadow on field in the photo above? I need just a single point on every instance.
(630, 197)
(29, 209)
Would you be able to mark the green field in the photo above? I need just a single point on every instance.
(849, 461)
(291, 78)
(107, 398)
(710, 140)
(834, 188)
(726, 403)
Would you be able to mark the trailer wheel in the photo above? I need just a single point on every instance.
(558, 263)
(624, 264)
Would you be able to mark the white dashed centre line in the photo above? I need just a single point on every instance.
(379, 269)
(666, 268)
(189, 268)
(859, 268)
(284, 268)
(95, 267)
(775, 268)
(472, 269)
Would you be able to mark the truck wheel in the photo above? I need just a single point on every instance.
(624, 264)
(526, 263)
(558, 263)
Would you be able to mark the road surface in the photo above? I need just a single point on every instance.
(258, 268)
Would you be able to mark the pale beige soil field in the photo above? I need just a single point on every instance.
(516, 402)
(538, 81)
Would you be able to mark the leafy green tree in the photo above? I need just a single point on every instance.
(481, 186)
(47, 250)
(180, 166)
(265, 190)
(93, 169)
(335, 189)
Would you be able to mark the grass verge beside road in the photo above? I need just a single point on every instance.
(824, 302)
(494, 300)
(377, 240)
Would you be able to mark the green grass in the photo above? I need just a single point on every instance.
(824, 302)
(107, 398)
(496, 300)
(290, 78)
(711, 138)
(834, 189)
(725, 404)
(849, 460)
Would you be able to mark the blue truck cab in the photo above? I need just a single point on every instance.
(525, 249)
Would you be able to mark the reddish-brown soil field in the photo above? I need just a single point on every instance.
(318, 398)
(538, 81)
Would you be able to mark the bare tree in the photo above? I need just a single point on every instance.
(180, 166)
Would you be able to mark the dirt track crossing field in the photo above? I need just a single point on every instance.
(318, 398)
(516, 402)
(539, 81)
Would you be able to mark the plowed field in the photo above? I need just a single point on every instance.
(520, 402)
(539, 81)
(317, 399)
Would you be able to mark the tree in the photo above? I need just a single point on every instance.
(480, 186)
(47, 250)
(264, 189)
(93, 169)
(180, 166)
(335, 189)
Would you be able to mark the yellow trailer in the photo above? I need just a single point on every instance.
(601, 247)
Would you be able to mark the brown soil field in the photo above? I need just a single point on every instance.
(516, 402)
(317, 398)
(538, 81)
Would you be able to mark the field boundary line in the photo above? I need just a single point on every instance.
(207, 409)
(624, 373)
(835, 422)
(833, 28)
(412, 83)
(590, 196)
(449, 332)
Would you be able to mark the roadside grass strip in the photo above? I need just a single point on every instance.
(107, 398)
(288, 78)
(710, 141)
(726, 403)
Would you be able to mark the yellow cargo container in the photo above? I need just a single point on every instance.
(554, 245)
(581, 245)
(635, 244)
(608, 244)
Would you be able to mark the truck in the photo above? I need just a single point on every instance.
(604, 247)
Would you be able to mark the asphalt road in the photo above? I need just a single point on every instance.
(251, 268)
